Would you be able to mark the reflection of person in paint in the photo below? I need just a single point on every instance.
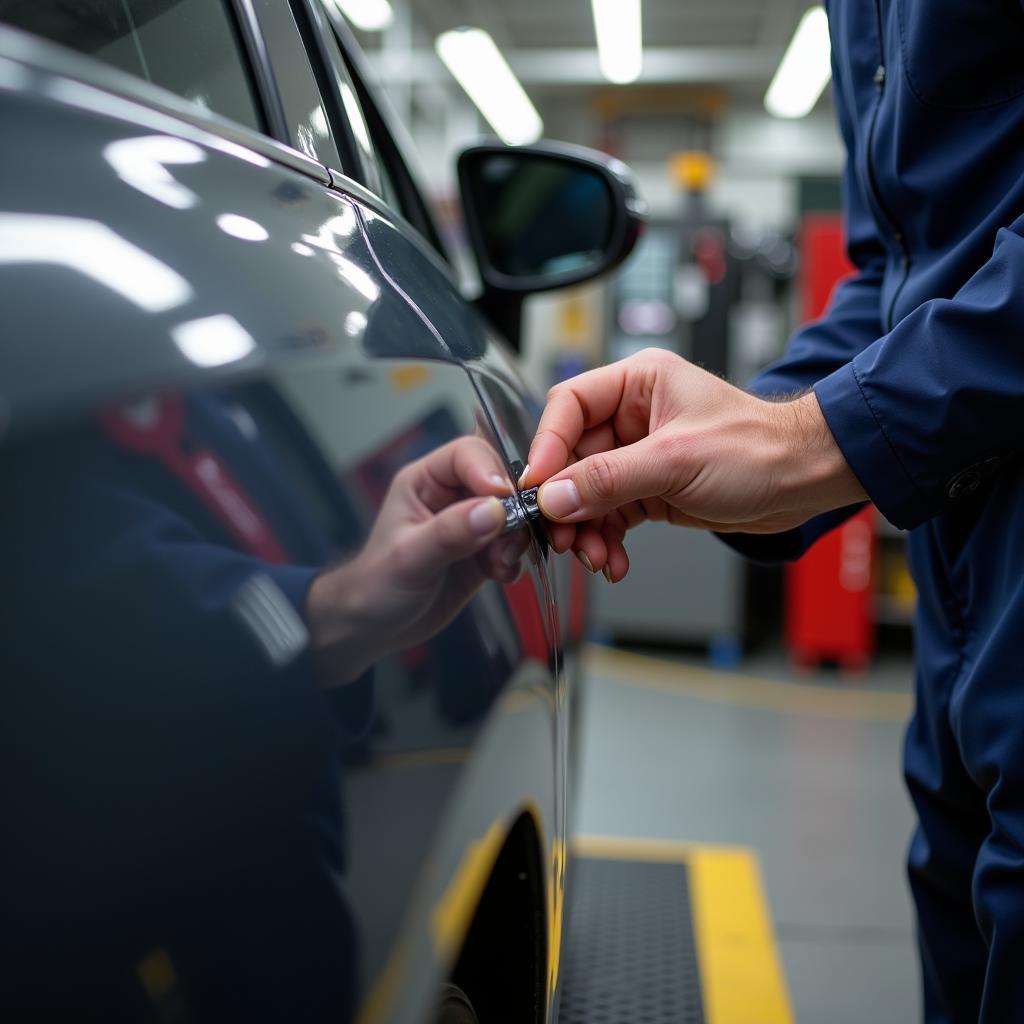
(429, 550)
(184, 673)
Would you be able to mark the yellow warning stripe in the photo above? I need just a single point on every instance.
(742, 978)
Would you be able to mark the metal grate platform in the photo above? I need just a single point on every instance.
(630, 956)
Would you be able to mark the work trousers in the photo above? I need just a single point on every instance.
(964, 757)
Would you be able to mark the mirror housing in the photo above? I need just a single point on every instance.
(543, 217)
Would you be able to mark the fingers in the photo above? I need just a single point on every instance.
(601, 483)
(617, 564)
(502, 559)
(465, 465)
(561, 536)
(599, 546)
(590, 547)
(456, 533)
(573, 407)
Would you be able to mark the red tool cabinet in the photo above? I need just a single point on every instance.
(829, 609)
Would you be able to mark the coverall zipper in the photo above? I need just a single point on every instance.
(876, 194)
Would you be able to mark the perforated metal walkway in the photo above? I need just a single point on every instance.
(669, 933)
(631, 954)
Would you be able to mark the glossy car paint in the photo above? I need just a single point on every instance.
(143, 248)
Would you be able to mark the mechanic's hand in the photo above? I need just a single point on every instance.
(431, 547)
(655, 437)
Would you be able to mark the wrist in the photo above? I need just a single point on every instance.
(340, 626)
(813, 473)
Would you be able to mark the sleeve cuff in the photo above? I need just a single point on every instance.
(863, 440)
(353, 704)
(772, 548)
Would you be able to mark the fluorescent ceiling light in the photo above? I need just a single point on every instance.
(619, 39)
(478, 66)
(805, 69)
(142, 163)
(213, 340)
(242, 227)
(369, 15)
(92, 249)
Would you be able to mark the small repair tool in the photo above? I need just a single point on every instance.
(521, 509)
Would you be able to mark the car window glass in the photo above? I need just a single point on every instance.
(186, 46)
(308, 127)
(352, 110)
(388, 174)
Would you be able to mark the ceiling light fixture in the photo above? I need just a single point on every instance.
(617, 25)
(368, 15)
(476, 63)
(805, 69)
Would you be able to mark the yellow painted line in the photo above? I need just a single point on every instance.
(742, 977)
(747, 691)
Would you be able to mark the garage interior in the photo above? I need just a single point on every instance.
(728, 729)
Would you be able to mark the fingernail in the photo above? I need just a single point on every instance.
(487, 517)
(607, 574)
(522, 476)
(587, 563)
(499, 481)
(559, 499)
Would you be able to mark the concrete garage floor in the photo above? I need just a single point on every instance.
(806, 772)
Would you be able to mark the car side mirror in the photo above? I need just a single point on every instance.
(543, 217)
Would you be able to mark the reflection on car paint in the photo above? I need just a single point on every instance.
(196, 831)
(185, 514)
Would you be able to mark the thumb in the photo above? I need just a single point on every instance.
(602, 482)
(456, 533)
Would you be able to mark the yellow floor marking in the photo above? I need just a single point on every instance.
(742, 978)
(747, 691)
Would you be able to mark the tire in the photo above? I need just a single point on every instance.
(455, 1007)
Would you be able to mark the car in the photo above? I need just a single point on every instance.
(234, 342)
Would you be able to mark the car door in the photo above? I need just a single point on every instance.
(206, 302)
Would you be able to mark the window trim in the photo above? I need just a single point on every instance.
(311, 31)
(253, 48)
(382, 126)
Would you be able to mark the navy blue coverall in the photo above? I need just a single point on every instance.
(918, 366)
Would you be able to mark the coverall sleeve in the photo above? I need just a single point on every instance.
(852, 322)
(204, 610)
(928, 411)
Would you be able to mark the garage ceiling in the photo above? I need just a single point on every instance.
(529, 23)
(734, 43)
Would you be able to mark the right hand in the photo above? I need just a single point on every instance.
(656, 437)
